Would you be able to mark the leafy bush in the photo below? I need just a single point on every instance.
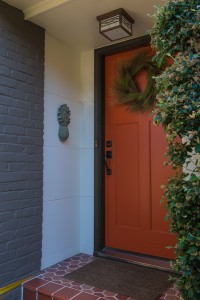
(176, 34)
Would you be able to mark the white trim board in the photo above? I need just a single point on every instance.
(42, 7)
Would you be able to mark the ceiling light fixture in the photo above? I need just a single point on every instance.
(116, 24)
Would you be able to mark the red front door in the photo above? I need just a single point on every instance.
(134, 215)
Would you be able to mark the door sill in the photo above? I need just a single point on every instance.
(135, 258)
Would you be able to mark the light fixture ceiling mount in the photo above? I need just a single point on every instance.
(116, 24)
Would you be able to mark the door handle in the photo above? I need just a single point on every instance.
(108, 156)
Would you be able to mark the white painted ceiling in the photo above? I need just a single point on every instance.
(74, 21)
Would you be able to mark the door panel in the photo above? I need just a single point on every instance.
(133, 213)
(127, 175)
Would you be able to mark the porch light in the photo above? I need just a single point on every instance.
(116, 24)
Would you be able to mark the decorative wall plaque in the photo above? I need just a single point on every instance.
(63, 120)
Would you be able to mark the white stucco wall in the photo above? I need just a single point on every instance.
(61, 194)
(87, 154)
(68, 217)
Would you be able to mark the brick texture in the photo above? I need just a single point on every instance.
(21, 146)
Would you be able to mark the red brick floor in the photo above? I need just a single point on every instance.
(50, 284)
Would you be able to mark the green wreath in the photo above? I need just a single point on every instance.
(125, 89)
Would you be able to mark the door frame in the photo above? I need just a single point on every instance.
(99, 132)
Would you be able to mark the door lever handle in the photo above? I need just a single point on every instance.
(107, 156)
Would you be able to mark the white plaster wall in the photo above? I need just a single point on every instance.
(87, 154)
(61, 194)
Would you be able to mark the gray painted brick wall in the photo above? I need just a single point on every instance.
(21, 146)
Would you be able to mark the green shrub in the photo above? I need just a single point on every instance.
(176, 34)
